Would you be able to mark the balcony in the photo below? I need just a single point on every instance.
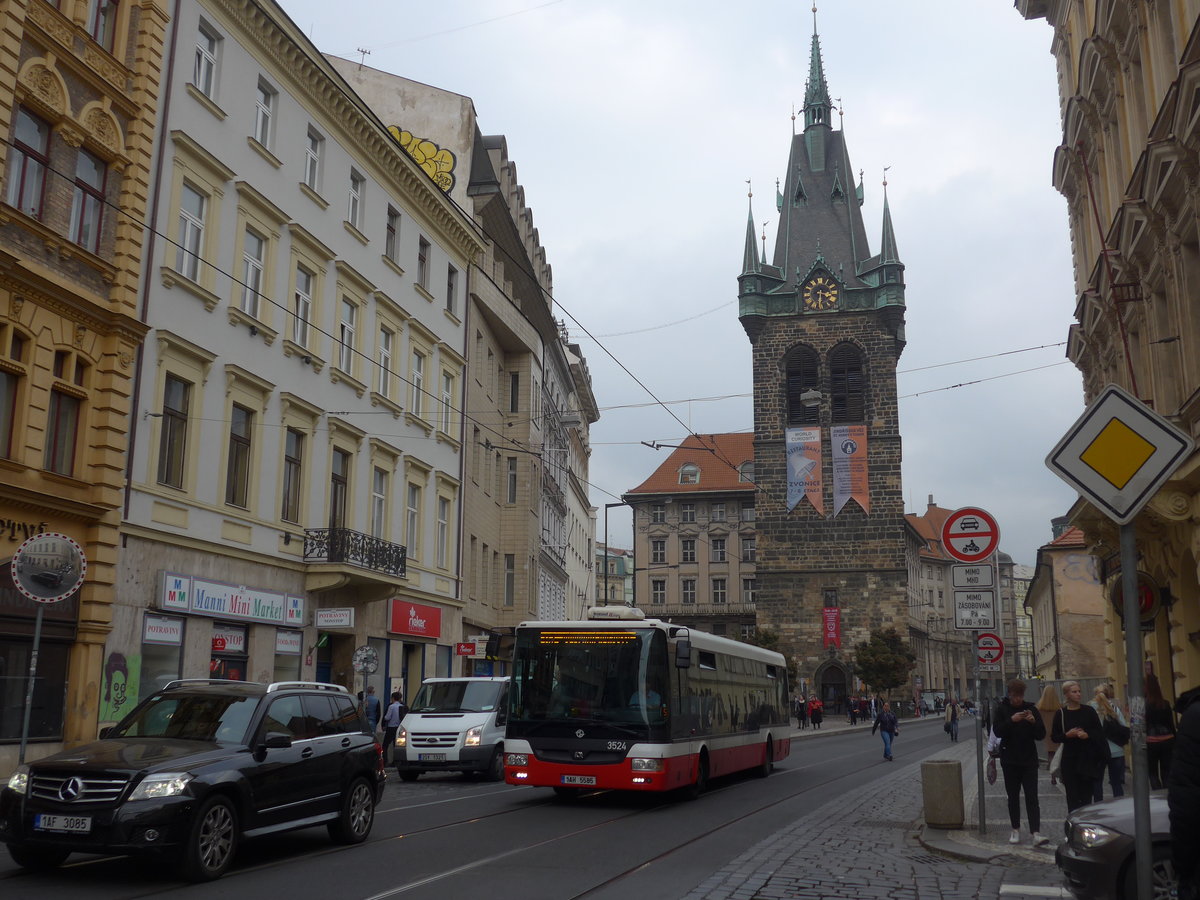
(340, 557)
(666, 610)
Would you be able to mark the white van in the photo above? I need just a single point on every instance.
(454, 725)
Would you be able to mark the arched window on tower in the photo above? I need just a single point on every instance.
(847, 388)
(802, 369)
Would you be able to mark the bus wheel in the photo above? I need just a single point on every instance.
(697, 787)
(768, 758)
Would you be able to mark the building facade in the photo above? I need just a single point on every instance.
(1128, 75)
(695, 537)
(614, 576)
(825, 321)
(79, 95)
(1067, 610)
(296, 471)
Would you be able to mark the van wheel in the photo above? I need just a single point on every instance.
(354, 822)
(409, 776)
(495, 769)
(37, 858)
(212, 842)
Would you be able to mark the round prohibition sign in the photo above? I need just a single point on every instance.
(970, 534)
(991, 648)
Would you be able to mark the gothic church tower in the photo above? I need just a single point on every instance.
(826, 323)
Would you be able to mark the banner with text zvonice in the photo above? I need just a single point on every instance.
(849, 444)
(804, 467)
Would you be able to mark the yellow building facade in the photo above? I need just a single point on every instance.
(78, 97)
(1129, 86)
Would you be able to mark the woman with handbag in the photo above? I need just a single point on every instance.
(1160, 734)
(1116, 733)
(1019, 727)
(1083, 749)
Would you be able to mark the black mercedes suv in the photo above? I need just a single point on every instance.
(193, 770)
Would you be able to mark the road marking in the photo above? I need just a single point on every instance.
(1033, 890)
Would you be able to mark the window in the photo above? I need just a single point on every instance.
(102, 22)
(192, 207)
(658, 551)
(689, 474)
(237, 473)
(293, 473)
(379, 495)
(443, 532)
(687, 590)
(749, 549)
(172, 442)
(87, 203)
(746, 472)
(264, 108)
(510, 579)
(302, 308)
(418, 383)
(452, 290)
(749, 590)
(829, 597)
(687, 550)
(423, 263)
(803, 371)
(717, 547)
(846, 384)
(346, 337)
(62, 432)
(747, 512)
(204, 71)
(339, 488)
(391, 240)
(385, 362)
(30, 158)
(719, 592)
(354, 203)
(412, 532)
(512, 479)
(716, 512)
(8, 410)
(447, 401)
(687, 512)
(254, 253)
(314, 144)
(658, 590)
(658, 514)
(514, 392)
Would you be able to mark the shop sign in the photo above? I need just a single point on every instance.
(200, 596)
(288, 642)
(416, 619)
(229, 640)
(162, 630)
(334, 618)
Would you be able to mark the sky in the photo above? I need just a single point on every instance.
(635, 125)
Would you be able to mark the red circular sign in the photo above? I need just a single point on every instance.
(991, 648)
(970, 534)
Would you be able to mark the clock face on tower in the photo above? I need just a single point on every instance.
(820, 293)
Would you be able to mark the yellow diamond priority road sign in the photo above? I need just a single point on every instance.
(1119, 453)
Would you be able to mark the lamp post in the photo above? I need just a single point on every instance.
(607, 551)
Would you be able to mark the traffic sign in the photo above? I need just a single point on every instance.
(964, 576)
(991, 648)
(1119, 453)
(989, 667)
(974, 610)
(970, 535)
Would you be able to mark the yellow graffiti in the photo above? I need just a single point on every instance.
(438, 162)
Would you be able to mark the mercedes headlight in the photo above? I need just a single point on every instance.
(168, 784)
(1092, 836)
(19, 780)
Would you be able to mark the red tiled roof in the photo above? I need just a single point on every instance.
(1072, 537)
(712, 454)
(929, 527)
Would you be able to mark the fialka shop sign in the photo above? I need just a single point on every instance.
(201, 597)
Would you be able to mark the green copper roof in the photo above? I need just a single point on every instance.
(750, 256)
(817, 105)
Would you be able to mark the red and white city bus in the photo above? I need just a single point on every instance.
(623, 702)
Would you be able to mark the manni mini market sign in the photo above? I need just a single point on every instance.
(221, 600)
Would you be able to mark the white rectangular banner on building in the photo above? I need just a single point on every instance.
(162, 630)
(334, 617)
(289, 642)
(222, 600)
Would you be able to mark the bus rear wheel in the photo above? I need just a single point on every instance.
(768, 759)
(697, 787)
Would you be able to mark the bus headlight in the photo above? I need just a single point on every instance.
(646, 765)
(401, 738)
(516, 759)
(474, 736)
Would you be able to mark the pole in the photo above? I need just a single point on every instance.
(33, 661)
(1137, 710)
(979, 736)
(605, 603)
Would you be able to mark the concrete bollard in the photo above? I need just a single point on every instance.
(941, 786)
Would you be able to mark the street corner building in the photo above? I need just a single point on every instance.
(825, 319)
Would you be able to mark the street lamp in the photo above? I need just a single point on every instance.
(607, 549)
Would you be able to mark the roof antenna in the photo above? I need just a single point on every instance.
(363, 58)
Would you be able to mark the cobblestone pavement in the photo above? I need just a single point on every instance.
(866, 845)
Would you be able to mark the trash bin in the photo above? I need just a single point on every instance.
(942, 791)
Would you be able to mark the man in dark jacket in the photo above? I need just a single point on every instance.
(1183, 795)
(1019, 726)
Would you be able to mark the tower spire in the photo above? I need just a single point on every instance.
(817, 105)
(750, 256)
(887, 248)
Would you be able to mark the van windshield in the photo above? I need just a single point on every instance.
(457, 696)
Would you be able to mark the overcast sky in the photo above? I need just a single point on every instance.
(634, 125)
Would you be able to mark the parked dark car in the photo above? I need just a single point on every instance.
(194, 769)
(1097, 858)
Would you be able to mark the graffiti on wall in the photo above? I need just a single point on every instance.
(122, 675)
(438, 162)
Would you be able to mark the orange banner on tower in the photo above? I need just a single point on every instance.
(850, 466)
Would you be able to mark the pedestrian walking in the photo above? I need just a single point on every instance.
(371, 710)
(888, 727)
(1019, 726)
(952, 720)
(816, 711)
(1183, 795)
(852, 709)
(392, 718)
(1084, 751)
(1048, 705)
(1160, 733)
(1116, 733)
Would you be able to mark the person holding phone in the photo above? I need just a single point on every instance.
(1019, 726)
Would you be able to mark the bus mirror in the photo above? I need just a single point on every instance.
(683, 654)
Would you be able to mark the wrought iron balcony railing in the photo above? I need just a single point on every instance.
(341, 545)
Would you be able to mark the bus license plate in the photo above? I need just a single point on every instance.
(68, 824)
(433, 757)
(579, 779)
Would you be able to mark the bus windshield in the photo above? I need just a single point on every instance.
(616, 675)
(457, 697)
